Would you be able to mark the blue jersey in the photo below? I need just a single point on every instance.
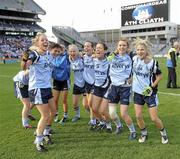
(88, 73)
(101, 68)
(21, 77)
(61, 67)
(120, 69)
(77, 66)
(143, 74)
(40, 72)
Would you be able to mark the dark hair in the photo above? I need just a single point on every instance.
(92, 44)
(104, 45)
(54, 45)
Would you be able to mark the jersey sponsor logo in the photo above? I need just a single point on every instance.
(100, 72)
(89, 66)
(81, 70)
(145, 75)
(120, 65)
(139, 70)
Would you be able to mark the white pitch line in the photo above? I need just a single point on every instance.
(173, 94)
(5, 76)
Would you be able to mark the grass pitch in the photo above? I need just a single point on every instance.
(74, 140)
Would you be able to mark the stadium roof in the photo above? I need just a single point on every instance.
(28, 6)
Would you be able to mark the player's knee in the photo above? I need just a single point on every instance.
(101, 111)
(95, 109)
(45, 117)
(64, 101)
(124, 116)
(139, 117)
(154, 118)
(75, 104)
(113, 114)
(53, 112)
(86, 106)
(56, 101)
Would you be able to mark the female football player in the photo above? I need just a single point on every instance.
(40, 94)
(88, 76)
(77, 67)
(21, 90)
(146, 76)
(120, 90)
(101, 85)
(61, 78)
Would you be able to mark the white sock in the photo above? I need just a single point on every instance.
(144, 132)
(38, 139)
(163, 132)
(46, 130)
(25, 122)
(108, 125)
(77, 109)
(131, 128)
(118, 122)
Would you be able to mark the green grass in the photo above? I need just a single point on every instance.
(75, 140)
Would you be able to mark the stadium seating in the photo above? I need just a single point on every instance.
(12, 46)
(18, 25)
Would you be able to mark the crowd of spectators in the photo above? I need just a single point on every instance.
(20, 26)
(12, 46)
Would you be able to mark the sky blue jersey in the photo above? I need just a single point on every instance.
(101, 68)
(40, 72)
(143, 74)
(77, 66)
(21, 77)
(120, 69)
(88, 73)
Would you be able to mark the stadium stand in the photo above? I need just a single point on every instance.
(145, 20)
(18, 24)
(109, 37)
(161, 39)
(67, 35)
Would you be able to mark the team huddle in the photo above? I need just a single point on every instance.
(104, 81)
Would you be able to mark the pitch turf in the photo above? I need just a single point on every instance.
(74, 140)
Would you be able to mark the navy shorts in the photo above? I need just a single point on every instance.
(60, 85)
(20, 90)
(118, 94)
(78, 90)
(100, 92)
(151, 101)
(88, 88)
(40, 95)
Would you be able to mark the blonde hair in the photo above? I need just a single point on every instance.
(74, 47)
(176, 45)
(32, 48)
(35, 40)
(146, 43)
